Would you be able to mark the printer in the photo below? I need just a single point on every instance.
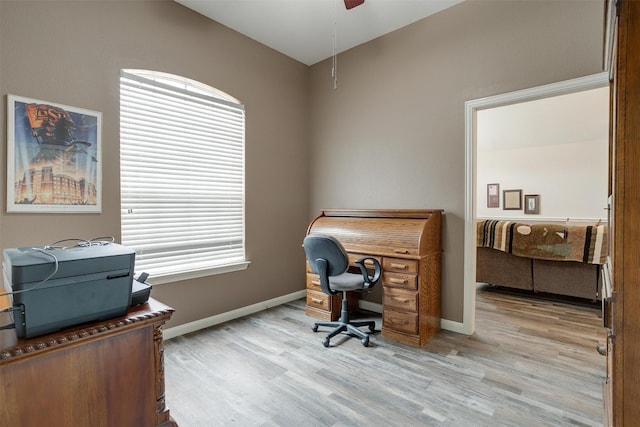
(54, 288)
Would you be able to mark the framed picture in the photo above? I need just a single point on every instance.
(493, 195)
(512, 200)
(532, 204)
(53, 157)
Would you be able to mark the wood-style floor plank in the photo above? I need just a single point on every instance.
(531, 362)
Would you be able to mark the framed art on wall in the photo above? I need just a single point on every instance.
(53, 157)
(493, 195)
(531, 204)
(512, 200)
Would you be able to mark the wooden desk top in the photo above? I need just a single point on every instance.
(12, 348)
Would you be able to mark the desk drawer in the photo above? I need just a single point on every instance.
(318, 300)
(400, 280)
(399, 321)
(313, 282)
(400, 299)
(368, 264)
(400, 265)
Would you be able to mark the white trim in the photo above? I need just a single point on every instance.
(187, 275)
(451, 326)
(370, 306)
(230, 315)
(471, 107)
(548, 219)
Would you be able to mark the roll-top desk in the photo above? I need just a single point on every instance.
(407, 243)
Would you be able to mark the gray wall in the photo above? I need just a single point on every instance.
(71, 52)
(392, 134)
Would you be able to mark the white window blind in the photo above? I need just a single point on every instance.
(181, 174)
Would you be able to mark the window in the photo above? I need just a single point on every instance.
(181, 176)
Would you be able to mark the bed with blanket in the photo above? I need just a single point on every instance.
(556, 258)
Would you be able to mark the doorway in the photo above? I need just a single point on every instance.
(472, 108)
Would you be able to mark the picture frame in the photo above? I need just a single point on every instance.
(512, 200)
(54, 157)
(493, 195)
(532, 204)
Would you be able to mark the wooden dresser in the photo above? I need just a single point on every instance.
(107, 373)
(407, 243)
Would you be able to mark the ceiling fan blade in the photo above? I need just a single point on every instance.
(352, 3)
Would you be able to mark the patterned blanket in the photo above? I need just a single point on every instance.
(583, 243)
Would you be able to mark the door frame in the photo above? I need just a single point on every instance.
(593, 81)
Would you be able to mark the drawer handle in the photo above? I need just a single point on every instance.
(404, 322)
(398, 281)
(315, 282)
(368, 262)
(316, 300)
(402, 300)
(401, 251)
(399, 266)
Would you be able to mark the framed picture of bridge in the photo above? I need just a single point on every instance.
(53, 157)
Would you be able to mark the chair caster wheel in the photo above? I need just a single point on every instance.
(325, 342)
(314, 328)
(372, 328)
(365, 341)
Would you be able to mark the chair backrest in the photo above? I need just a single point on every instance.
(319, 246)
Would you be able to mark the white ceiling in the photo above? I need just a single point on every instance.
(304, 29)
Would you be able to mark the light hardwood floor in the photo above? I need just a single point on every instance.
(531, 362)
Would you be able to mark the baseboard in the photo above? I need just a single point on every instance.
(450, 325)
(370, 306)
(230, 315)
(254, 308)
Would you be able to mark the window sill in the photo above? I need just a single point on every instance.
(187, 275)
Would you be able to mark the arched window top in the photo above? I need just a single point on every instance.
(183, 83)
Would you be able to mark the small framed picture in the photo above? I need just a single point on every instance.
(532, 204)
(493, 195)
(512, 200)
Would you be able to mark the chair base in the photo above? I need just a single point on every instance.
(344, 325)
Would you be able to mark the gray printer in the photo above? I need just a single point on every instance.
(54, 288)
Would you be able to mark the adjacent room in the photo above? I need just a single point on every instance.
(212, 137)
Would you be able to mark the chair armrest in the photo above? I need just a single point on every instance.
(324, 277)
(369, 281)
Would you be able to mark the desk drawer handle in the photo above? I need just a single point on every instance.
(402, 300)
(316, 300)
(315, 282)
(398, 281)
(399, 266)
(401, 251)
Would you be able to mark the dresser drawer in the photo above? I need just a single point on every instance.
(399, 299)
(400, 280)
(400, 321)
(400, 265)
(318, 300)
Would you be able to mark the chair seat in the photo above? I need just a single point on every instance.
(346, 282)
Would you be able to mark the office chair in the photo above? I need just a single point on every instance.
(328, 258)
